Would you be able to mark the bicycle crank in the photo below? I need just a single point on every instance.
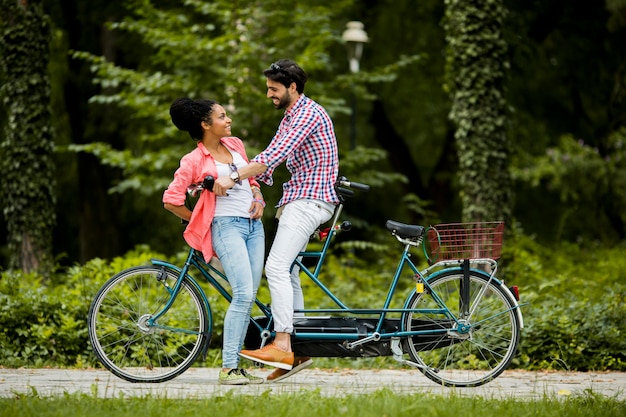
(398, 354)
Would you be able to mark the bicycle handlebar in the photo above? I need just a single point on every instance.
(209, 180)
(206, 184)
(343, 182)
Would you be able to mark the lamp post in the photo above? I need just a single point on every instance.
(354, 37)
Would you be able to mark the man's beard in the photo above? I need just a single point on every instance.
(282, 102)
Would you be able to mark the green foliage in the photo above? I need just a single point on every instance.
(26, 164)
(576, 299)
(581, 177)
(40, 328)
(476, 64)
(573, 303)
(219, 50)
(43, 322)
(201, 49)
(358, 162)
(558, 117)
(567, 77)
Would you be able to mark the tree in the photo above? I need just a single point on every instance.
(216, 50)
(201, 49)
(567, 90)
(476, 65)
(26, 164)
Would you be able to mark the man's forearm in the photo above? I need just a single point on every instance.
(223, 184)
(252, 169)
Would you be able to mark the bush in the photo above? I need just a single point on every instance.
(37, 327)
(573, 303)
(44, 322)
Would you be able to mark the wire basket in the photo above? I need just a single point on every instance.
(455, 241)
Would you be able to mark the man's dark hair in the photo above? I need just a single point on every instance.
(286, 72)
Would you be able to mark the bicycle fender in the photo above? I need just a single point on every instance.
(498, 282)
(177, 270)
(508, 292)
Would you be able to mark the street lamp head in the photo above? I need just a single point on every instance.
(354, 36)
(355, 33)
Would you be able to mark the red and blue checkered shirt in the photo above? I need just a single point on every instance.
(306, 140)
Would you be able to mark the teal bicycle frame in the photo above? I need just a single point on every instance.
(209, 272)
(459, 325)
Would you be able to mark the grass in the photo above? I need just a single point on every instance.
(312, 404)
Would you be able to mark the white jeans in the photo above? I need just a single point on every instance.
(297, 223)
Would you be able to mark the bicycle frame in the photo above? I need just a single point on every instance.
(209, 272)
(459, 325)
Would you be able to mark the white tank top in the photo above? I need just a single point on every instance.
(239, 198)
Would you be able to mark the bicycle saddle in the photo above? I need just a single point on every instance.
(404, 230)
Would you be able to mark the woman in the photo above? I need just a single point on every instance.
(229, 226)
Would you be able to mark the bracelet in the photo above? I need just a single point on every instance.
(260, 201)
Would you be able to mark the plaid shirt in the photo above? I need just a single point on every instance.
(306, 140)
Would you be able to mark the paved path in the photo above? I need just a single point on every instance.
(202, 382)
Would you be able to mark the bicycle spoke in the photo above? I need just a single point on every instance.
(126, 341)
(479, 352)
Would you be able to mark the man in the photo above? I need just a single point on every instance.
(306, 140)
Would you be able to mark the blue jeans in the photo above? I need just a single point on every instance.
(239, 243)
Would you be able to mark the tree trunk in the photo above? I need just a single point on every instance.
(26, 161)
(477, 63)
(97, 220)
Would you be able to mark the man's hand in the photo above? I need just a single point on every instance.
(222, 185)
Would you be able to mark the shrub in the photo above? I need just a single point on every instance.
(43, 322)
(573, 303)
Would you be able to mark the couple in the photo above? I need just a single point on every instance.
(306, 140)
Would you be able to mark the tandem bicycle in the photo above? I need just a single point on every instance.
(459, 324)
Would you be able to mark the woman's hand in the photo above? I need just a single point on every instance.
(256, 210)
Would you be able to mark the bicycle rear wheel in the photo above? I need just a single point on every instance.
(124, 341)
(474, 352)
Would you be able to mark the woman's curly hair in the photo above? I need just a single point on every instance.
(188, 114)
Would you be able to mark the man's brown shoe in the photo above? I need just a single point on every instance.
(270, 355)
(299, 363)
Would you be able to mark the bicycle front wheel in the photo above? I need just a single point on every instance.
(476, 345)
(129, 345)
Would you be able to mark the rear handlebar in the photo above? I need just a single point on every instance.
(206, 184)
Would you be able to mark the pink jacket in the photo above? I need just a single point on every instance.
(194, 166)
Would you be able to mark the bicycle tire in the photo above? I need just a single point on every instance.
(121, 337)
(458, 359)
